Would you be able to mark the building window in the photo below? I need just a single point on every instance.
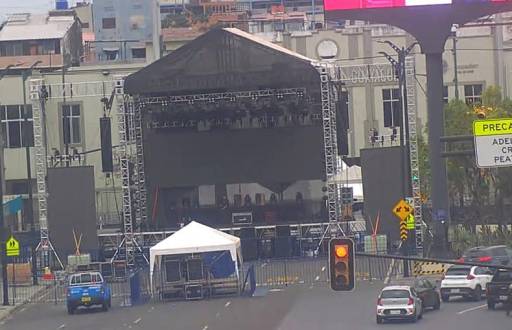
(85, 25)
(473, 94)
(445, 94)
(71, 126)
(391, 106)
(109, 23)
(138, 52)
(14, 126)
(111, 54)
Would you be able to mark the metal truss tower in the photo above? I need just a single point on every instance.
(410, 78)
(38, 96)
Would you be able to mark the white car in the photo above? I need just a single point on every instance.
(399, 303)
(465, 281)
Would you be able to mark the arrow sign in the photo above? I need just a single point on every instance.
(403, 230)
(402, 209)
(12, 247)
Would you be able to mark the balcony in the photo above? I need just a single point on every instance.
(47, 61)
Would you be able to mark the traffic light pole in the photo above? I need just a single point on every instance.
(405, 169)
(3, 231)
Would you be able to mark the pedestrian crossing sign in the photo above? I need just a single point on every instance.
(12, 247)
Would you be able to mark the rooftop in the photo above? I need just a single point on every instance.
(26, 26)
(180, 34)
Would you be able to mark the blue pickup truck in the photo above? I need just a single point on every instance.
(87, 289)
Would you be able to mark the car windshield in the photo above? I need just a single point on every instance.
(502, 276)
(476, 253)
(386, 294)
(455, 271)
(85, 279)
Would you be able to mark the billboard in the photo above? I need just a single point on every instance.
(371, 4)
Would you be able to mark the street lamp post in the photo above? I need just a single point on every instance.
(454, 51)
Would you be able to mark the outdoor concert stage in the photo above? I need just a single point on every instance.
(233, 134)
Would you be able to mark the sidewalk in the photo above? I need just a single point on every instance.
(6, 311)
(18, 296)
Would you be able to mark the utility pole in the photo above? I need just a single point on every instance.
(454, 52)
(30, 211)
(399, 67)
(3, 231)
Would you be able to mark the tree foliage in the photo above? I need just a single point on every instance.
(469, 186)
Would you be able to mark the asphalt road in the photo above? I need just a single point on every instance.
(297, 307)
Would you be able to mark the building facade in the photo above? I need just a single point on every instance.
(79, 114)
(127, 30)
(52, 40)
(483, 58)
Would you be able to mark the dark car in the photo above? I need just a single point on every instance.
(426, 291)
(496, 255)
(498, 290)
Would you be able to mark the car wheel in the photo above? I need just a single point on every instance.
(104, 306)
(477, 293)
(445, 298)
(437, 304)
(490, 304)
(71, 310)
(379, 320)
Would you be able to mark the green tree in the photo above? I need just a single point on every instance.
(175, 20)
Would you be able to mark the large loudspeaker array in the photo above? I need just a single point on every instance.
(107, 165)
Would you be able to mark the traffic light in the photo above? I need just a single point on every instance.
(341, 264)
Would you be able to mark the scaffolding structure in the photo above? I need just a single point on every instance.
(130, 124)
(410, 78)
(38, 97)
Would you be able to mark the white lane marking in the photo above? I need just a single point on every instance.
(311, 286)
(263, 264)
(62, 326)
(137, 320)
(22, 310)
(275, 290)
(205, 327)
(471, 309)
(317, 278)
(227, 304)
(323, 269)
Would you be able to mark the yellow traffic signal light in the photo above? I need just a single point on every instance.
(341, 264)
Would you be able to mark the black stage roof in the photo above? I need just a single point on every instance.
(224, 60)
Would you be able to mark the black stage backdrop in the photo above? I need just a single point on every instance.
(71, 205)
(174, 159)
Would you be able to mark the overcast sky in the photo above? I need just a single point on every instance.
(20, 6)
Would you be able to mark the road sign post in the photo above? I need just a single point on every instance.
(403, 210)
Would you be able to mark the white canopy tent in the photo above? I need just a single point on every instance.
(195, 238)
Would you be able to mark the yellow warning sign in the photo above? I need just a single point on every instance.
(402, 209)
(403, 230)
(492, 127)
(410, 222)
(12, 247)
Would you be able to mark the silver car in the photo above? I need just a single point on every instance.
(399, 303)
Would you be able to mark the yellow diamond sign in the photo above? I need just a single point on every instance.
(402, 209)
(12, 247)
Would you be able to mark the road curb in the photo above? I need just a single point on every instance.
(13, 310)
